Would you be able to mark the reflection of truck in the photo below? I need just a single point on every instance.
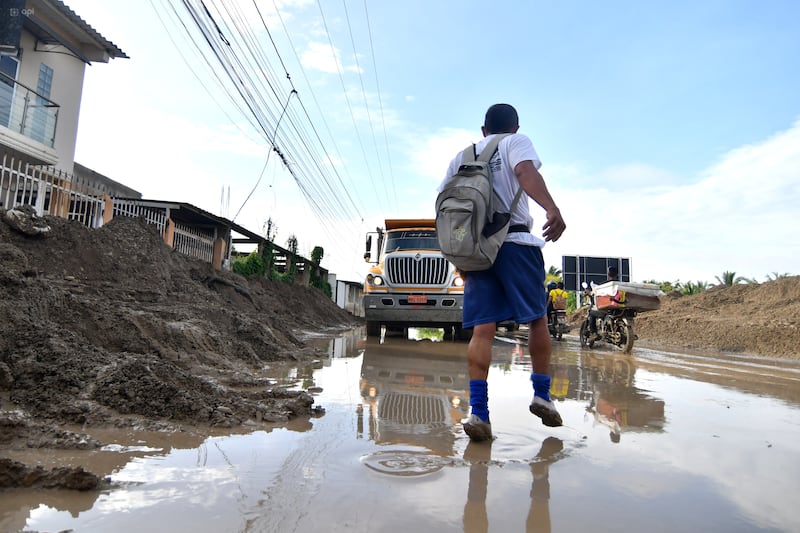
(410, 283)
(413, 393)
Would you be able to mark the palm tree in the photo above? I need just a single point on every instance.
(775, 276)
(694, 288)
(730, 279)
(553, 272)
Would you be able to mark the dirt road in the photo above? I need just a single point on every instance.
(110, 327)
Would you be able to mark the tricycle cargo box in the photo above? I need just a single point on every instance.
(620, 294)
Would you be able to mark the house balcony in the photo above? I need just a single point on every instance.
(28, 121)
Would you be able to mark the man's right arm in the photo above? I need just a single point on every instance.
(533, 184)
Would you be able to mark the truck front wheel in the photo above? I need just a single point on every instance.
(373, 328)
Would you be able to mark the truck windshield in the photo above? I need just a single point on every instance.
(411, 240)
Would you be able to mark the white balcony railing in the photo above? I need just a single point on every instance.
(25, 111)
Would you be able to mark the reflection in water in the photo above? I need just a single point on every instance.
(389, 454)
(607, 384)
(411, 394)
(478, 454)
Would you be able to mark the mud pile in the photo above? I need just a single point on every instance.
(758, 319)
(110, 326)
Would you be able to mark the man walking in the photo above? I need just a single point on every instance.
(513, 287)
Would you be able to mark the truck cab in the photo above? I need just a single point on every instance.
(410, 283)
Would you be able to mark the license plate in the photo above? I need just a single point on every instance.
(414, 380)
(417, 299)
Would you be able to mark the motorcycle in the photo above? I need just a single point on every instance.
(557, 324)
(615, 328)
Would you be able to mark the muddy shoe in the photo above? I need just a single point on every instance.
(546, 411)
(477, 429)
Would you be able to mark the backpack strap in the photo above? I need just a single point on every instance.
(515, 202)
(469, 155)
(489, 150)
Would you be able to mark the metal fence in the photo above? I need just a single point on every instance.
(50, 192)
(152, 214)
(194, 242)
(58, 193)
(188, 240)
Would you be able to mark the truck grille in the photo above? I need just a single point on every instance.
(412, 271)
(412, 409)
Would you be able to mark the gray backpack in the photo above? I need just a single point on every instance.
(470, 222)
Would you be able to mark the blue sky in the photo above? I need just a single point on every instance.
(669, 132)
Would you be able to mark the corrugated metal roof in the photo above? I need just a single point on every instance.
(112, 49)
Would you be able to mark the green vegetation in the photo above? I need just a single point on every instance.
(434, 334)
(729, 279)
(315, 280)
(258, 265)
(554, 274)
(694, 288)
(775, 276)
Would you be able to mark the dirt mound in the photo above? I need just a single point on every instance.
(758, 319)
(111, 326)
(753, 319)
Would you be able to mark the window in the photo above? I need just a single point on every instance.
(40, 117)
(45, 82)
(8, 66)
(411, 240)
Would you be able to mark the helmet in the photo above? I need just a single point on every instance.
(552, 285)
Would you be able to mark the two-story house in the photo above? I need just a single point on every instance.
(44, 50)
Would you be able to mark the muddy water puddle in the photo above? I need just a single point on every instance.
(653, 442)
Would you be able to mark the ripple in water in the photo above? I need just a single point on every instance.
(404, 463)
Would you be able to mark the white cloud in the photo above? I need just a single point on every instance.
(431, 155)
(739, 215)
(325, 58)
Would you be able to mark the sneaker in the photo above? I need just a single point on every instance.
(477, 429)
(546, 411)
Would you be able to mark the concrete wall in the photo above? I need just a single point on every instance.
(66, 91)
(349, 296)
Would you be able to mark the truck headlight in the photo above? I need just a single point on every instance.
(375, 280)
(458, 281)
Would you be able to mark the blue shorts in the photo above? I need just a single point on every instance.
(513, 288)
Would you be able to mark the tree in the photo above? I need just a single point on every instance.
(291, 243)
(667, 286)
(270, 230)
(553, 272)
(730, 278)
(775, 276)
(694, 288)
(316, 279)
(316, 254)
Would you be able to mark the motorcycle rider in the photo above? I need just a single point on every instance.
(551, 286)
(596, 314)
(556, 291)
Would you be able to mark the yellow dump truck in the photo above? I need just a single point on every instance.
(410, 283)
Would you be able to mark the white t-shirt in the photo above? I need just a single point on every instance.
(512, 150)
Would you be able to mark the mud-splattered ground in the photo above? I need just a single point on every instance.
(110, 327)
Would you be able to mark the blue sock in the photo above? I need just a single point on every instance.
(479, 398)
(541, 385)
